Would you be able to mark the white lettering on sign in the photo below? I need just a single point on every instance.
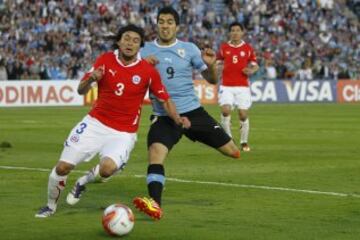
(38, 93)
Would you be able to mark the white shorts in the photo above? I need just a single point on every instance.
(90, 137)
(235, 96)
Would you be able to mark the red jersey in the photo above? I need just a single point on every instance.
(122, 89)
(236, 58)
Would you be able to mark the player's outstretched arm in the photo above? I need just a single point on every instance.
(170, 109)
(85, 84)
(209, 57)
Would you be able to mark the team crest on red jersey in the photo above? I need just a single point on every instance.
(136, 79)
(242, 54)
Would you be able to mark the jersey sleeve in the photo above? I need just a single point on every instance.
(252, 57)
(156, 86)
(196, 59)
(220, 53)
(98, 62)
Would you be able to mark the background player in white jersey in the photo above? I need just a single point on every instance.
(239, 63)
(175, 61)
(110, 127)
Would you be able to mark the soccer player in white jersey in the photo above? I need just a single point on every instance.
(110, 127)
(239, 61)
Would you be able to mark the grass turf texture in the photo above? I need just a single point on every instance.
(311, 147)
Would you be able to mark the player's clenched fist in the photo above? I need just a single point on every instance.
(185, 122)
(97, 74)
(209, 56)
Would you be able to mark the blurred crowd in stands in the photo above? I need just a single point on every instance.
(294, 39)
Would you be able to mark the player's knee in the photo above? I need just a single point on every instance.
(63, 168)
(226, 113)
(107, 168)
(106, 172)
(243, 118)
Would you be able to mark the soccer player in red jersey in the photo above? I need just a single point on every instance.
(239, 63)
(110, 127)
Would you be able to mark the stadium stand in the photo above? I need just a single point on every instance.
(294, 39)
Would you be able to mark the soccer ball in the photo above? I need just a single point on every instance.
(118, 219)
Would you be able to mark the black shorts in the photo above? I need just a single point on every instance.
(204, 128)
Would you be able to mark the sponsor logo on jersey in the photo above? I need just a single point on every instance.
(112, 72)
(168, 60)
(181, 52)
(136, 79)
(227, 52)
(242, 54)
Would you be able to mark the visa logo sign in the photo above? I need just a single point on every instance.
(293, 91)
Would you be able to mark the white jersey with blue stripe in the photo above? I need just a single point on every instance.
(176, 64)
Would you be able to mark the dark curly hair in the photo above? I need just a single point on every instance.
(132, 28)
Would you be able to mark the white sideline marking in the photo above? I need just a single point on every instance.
(212, 183)
(35, 169)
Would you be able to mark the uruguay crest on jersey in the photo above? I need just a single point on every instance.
(181, 52)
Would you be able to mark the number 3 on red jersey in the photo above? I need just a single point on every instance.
(120, 89)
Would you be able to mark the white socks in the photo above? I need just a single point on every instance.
(226, 124)
(92, 176)
(244, 131)
(244, 128)
(55, 186)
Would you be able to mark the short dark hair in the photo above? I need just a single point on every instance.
(233, 24)
(127, 28)
(169, 10)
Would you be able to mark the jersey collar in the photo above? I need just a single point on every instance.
(167, 46)
(236, 46)
(138, 59)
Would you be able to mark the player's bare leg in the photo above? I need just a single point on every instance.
(155, 179)
(230, 149)
(226, 118)
(101, 172)
(56, 184)
(244, 130)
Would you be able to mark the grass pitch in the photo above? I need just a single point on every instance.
(301, 180)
